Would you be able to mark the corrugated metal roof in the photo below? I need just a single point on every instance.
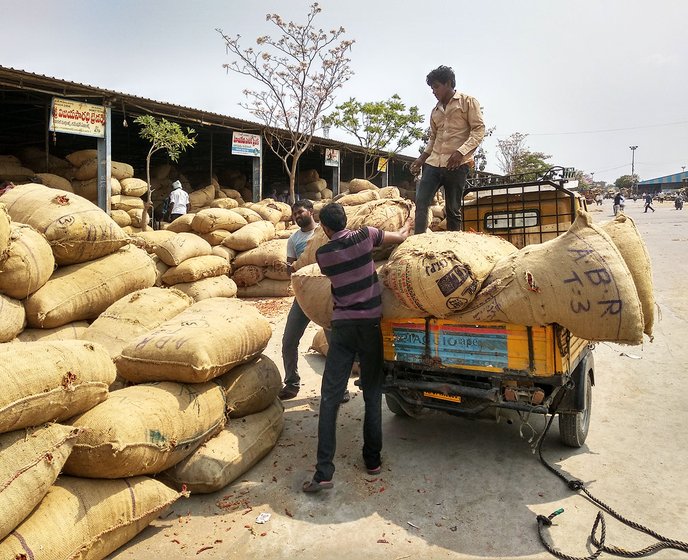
(675, 178)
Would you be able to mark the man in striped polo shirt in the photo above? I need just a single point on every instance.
(347, 260)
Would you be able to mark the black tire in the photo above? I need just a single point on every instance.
(573, 427)
(396, 408)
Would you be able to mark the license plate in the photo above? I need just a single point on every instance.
(442, 397)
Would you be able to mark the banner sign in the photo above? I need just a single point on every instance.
(382, 164)
(74, 117)
(331, 157)
(244, 144)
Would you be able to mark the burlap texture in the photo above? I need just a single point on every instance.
(248, 275)
(121, 218)
(28, 264)
(83, 519)
(250, 236)
(266, 254)
(227, 203)
(266, 288)
(196, 268)
(440, 273)
(202, 197)
(133, 315)
(386, 214)
(152, 238)
(181, 224)
(134, 187)
(89, 170)
(277, 271)
(124, 202)
(84, 291)
(359, 198)
(231, 453)
(70, 331)
(210, 219)
(389, 192)
(266, 212)
(319, 343)
(77, 230)
(145, 429)
(30, 461)
(178, 248)
(359, 185)
(630, 244)
(215, 237)
(249, 215)
(225, 253)
(216, 286)
(202, 342)
(78, 158)
(5, 230)
(54, 181)
(13, 318)
(251, 387)
(313, 292)
(578, 280)
(45, 381)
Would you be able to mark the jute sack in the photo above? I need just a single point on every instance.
(285, 233)
(5, 231)
(88, 189)
(28, 264)
(231, 453)
(307, 176)
(227, 203)
(266, 288)
(84, 291)
(266, 254)
(134, 187)
(358, 185)
(137, 217)
(181, 224)
(76, 229)
(30, 461)
(176, 249)
(145, 429)
(55, 181)
(10, 160)
(202, 197)
(277, 271)
(326, 194)
(386, 214)
(77, 159)
(196, 268)
(46, 381)
(215, 237)
(160, 269)
(204, 341)
(121, 218)
(13, 318)
(392, 308)
(217, 286)
(211, 219)
(131, 230)
(150, 239)
(578, 280)
(250, 236)
(251, 387)
(389, 192)
(313, 292)
(124, 202)
(14, 173)
(319, 343)
(314, 196)
(630, 244)
(231, 193)
(249, 215)
(88, 519)
(358, 198)
(225, 253)
(314, 187)
(70, 331)
(133, 315)
(248, 275)
(440, 273)
(89, 170)
(266, 212)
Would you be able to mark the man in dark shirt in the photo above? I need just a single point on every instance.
(347, 260)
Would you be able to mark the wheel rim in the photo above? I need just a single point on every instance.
(585, 413)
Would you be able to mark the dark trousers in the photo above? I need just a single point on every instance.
(348, 338)
(293, 331)
(453, 182)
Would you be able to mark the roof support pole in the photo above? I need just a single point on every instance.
(105, 164)
(257, 176)
(210, 179)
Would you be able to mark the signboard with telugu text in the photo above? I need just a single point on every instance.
(74, 117)
(244, 144)
(331, 157)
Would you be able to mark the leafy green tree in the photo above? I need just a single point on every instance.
(515, 157)
(162, 135)
(626, 182)
(480, 155)
(299, 73)
(379, 126)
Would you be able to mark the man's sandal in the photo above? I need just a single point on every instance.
(313, 486)
(376, 470)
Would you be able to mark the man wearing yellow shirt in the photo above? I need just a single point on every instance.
(456, 130)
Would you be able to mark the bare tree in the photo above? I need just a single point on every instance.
(299, 72)
(509, 151)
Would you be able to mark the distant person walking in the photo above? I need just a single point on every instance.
(456, 130)
(178, 202)
(648, 202)
(598, 199)
(618, 203)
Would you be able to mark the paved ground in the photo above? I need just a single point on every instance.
(456, 488)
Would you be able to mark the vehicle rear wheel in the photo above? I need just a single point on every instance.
(574, 426)
(405, 411)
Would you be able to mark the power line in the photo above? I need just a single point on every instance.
(607, 129)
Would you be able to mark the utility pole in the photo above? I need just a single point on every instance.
(634, 188)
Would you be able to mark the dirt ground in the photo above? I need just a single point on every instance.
(458, 488)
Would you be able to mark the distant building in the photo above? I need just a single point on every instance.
(666, 183)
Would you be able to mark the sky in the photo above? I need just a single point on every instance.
(585, 79)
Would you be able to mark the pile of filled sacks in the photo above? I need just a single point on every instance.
(114, 380)
(596, 281)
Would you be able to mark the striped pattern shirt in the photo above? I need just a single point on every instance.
(347, 260)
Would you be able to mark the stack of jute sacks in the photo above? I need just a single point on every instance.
(109, 440)
(596, 281)
(310, 185)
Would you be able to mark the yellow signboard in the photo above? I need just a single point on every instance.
(77, 118)
(382, 164)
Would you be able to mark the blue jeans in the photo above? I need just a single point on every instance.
(453, 183)
(348, 338)
(293, 331)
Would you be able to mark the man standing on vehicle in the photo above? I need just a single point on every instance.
(456, 130)
(347, 260)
